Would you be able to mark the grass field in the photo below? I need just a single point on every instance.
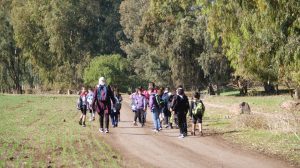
(278, 143)
(43, 131)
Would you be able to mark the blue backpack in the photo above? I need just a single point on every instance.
(102, 93)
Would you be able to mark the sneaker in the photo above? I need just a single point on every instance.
(166, 126)
(160, 129)
(101, 130)
(90, 119)
(181, 136)
(83, 125)
(106, 131)
(155, 130)
(135, 124)
(114, 126)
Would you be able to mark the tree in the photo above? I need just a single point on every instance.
(11, 58)
(113, 67)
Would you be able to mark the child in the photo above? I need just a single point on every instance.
(90, 97)
(180, 106)
(141, 103)
(133, 105)
(196, 112)
(118, 104)
(83, 106)
(115, 112)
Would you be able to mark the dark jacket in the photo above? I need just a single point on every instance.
(103, 106)
(180, 104)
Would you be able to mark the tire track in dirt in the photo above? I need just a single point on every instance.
(140, 147)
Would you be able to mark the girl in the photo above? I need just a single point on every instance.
(83, 106)
(90, 97)
(141, 104)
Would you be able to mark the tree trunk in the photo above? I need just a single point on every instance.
(297, 93)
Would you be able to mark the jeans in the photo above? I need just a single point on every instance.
(155, 117)
(114, 118)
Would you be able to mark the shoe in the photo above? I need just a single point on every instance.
(83, 125)
(160, 129)
(155, 130)
(90, 119)
(135, 124)
(106, 131)
(181, 136)
(113, 126)
(143, 125)
(171, 126)
(201, 133)
(101, 130)
(80, 122)
(166, 126)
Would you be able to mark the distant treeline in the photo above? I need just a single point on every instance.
(53, 44)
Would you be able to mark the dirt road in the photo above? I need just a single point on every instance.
(141, 147)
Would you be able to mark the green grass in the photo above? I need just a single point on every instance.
(257, 103)
(33, 134)
(285, 145)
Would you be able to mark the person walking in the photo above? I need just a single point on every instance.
(82, 104)
(90, 97)
(155, 106)
(133, 105)
(115, 109)
(165, 109)
(141, 103)
(103, 99)
(181, 107)
(196, 113)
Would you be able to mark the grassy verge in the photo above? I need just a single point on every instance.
(43, 131)
(278, 143)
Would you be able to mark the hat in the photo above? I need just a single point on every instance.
(102, 81)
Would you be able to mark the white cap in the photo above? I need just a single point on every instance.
(102, 81)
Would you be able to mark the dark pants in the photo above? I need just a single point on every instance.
(106, 120)
(182, 122)
(114, 118)
(140, 115)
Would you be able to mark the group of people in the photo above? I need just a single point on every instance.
(104, 100)
(167, 108)
(170, 109)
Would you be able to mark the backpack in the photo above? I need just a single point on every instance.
(159, 101)
(198, 108)
(118, 103)
(102, 93)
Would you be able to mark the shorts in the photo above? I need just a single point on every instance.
(83, 109)
(197, 119)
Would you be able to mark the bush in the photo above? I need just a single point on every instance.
(251, 121)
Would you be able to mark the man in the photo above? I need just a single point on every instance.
(103, 97)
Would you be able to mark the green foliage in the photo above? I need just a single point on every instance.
(60, 37)
(260, 38)
(113, 67)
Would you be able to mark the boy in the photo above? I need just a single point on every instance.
(196, 112)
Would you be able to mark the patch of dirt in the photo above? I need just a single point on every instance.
(291, 105)
(140, 147)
